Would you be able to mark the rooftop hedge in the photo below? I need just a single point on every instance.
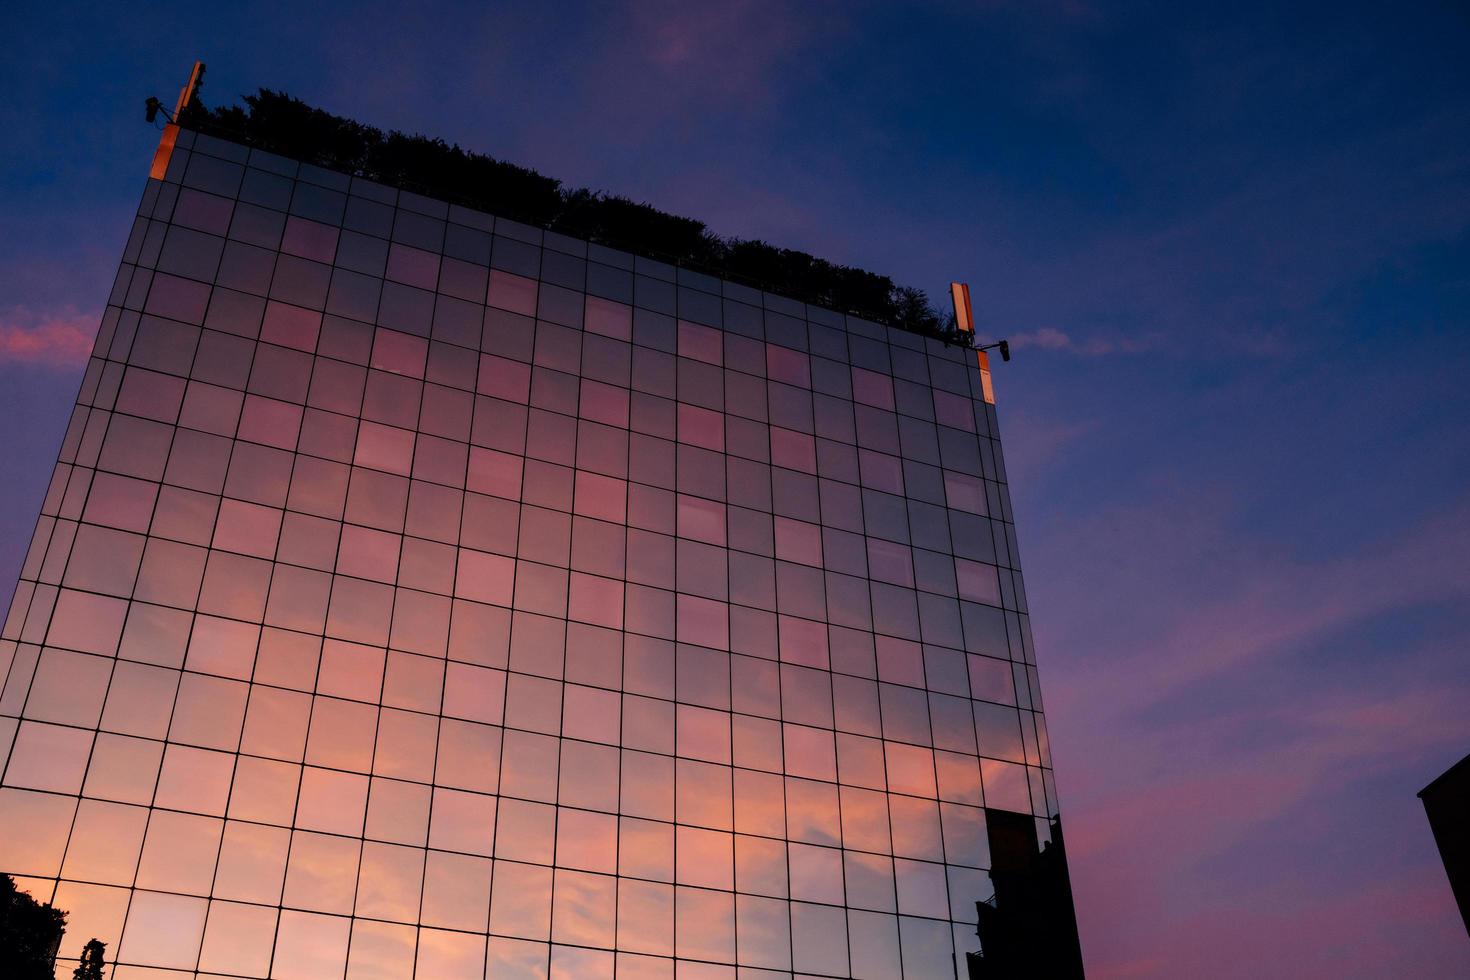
(278, 123)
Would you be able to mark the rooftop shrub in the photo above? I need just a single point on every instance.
(278, 123)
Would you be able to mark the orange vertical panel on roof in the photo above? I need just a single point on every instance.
(986, 388)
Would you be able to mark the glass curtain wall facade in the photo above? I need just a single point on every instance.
(419, 591)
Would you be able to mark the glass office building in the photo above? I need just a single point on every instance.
(419, 593)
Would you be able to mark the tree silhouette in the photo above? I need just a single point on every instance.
(90, 967)
(30, 934)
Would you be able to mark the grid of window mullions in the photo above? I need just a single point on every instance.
(521, 269)
(770, 714)
(503, 794)
(703, 328)
(998, 542)
(1003, 548)
(410, 538)
(735, 544)
(732, 547)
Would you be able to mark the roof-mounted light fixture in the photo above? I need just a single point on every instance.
(1003, 346)
(964, 321)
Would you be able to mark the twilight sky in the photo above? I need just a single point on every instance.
(1230, 250)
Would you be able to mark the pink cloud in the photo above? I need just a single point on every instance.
(60, 339)
(1149, 841)
(1230, 599)
(1215, 790)
(1389, 927)
(701, 44)
(1035, 443)
(1205, 838)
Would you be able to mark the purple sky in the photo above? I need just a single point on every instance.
(1230, 250)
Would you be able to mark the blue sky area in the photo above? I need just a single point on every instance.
(1229, 245)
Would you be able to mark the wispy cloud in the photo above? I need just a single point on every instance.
(701, 45)
(1052, 339)
(54, 339)
(1035, 443)
(1242, 601)
(1238, 755)
(1257, 789)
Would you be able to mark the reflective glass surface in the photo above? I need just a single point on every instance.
(419, 593)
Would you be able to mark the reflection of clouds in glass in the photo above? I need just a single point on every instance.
(488, 623)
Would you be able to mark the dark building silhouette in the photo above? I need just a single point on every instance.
(1447, 803)
(1028, 927)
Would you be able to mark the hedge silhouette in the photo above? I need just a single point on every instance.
(30, 933)
(278, 123)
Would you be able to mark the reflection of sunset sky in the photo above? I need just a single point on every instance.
(1227, 255)
(671, 642)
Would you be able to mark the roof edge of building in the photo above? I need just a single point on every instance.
(274, 123)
